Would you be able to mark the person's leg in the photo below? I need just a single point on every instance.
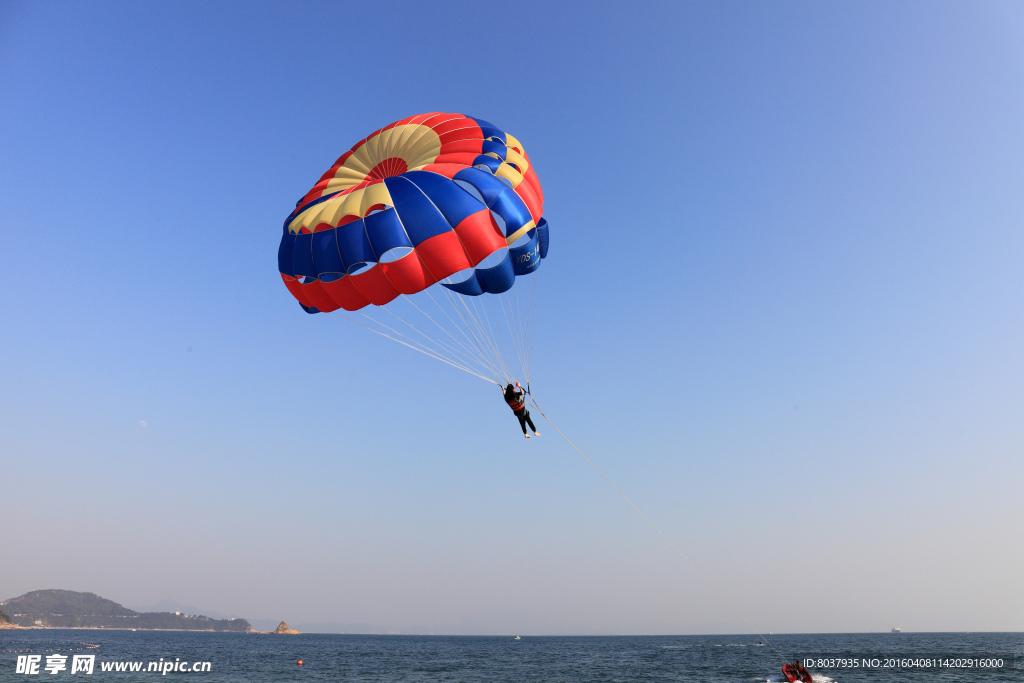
(522, 421)
(529, 421)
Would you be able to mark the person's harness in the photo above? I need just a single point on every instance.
(517, 403)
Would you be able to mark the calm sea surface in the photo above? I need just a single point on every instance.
(237, 657)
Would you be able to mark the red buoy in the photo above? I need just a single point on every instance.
(300, 662)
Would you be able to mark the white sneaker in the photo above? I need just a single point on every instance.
(527, 436)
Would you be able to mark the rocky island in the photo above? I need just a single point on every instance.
(71, 609)
(283, 628)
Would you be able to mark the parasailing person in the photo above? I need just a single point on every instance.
(516, 400)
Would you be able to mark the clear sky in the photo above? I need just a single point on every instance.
(782, 311)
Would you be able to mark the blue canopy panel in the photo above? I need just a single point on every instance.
(420, 218)
(499, 198)
(489, 162)
(284, 254)
(486, 184)
(353, 244)
(302, 256)
(454, 203)
(494, 280)
(425, 180)
(513, 210)
(542, 233)
(526, 259)
(495, 148)
(326, 257)
(489, 129)
(385, 232)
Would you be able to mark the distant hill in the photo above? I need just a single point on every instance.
(71, 609)
(175, 606)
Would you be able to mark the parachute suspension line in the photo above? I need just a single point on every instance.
(466, 363)
(470, 355)
(413, 346)
(466, 331)
(487, 329)
(458, 329)
(481, 343)
(705, 579)
(520, 321)
(516, 325)
(426, 315)
(410, 341)
(524, 321)
(483, 357)
(483, 321)
(528, 329)
(511, 323)
(479, 328)
(467, 357)
(525, 313)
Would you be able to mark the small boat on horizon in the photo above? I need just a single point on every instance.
(895, 629)
(517, 638)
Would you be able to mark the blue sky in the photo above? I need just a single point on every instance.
(782, 311)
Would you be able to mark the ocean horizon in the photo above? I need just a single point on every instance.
(235, 657)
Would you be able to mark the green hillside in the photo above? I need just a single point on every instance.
(71, 609)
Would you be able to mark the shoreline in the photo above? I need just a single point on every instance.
(13, 627)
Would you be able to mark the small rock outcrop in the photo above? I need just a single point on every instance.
(283, 628)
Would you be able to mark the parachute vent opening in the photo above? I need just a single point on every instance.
(331, 277)
(377, 208)
(472, 190)
(500, 222)
(505, 180)
(307, 279)
(360, 267)
(484, 167)
(494, 258)
(459, 277)
(394, 254)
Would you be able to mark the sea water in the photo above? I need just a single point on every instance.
(234, 657)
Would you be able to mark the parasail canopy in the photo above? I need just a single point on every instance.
(431, 198)
(434, 199)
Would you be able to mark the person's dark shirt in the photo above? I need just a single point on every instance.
(516, 400)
